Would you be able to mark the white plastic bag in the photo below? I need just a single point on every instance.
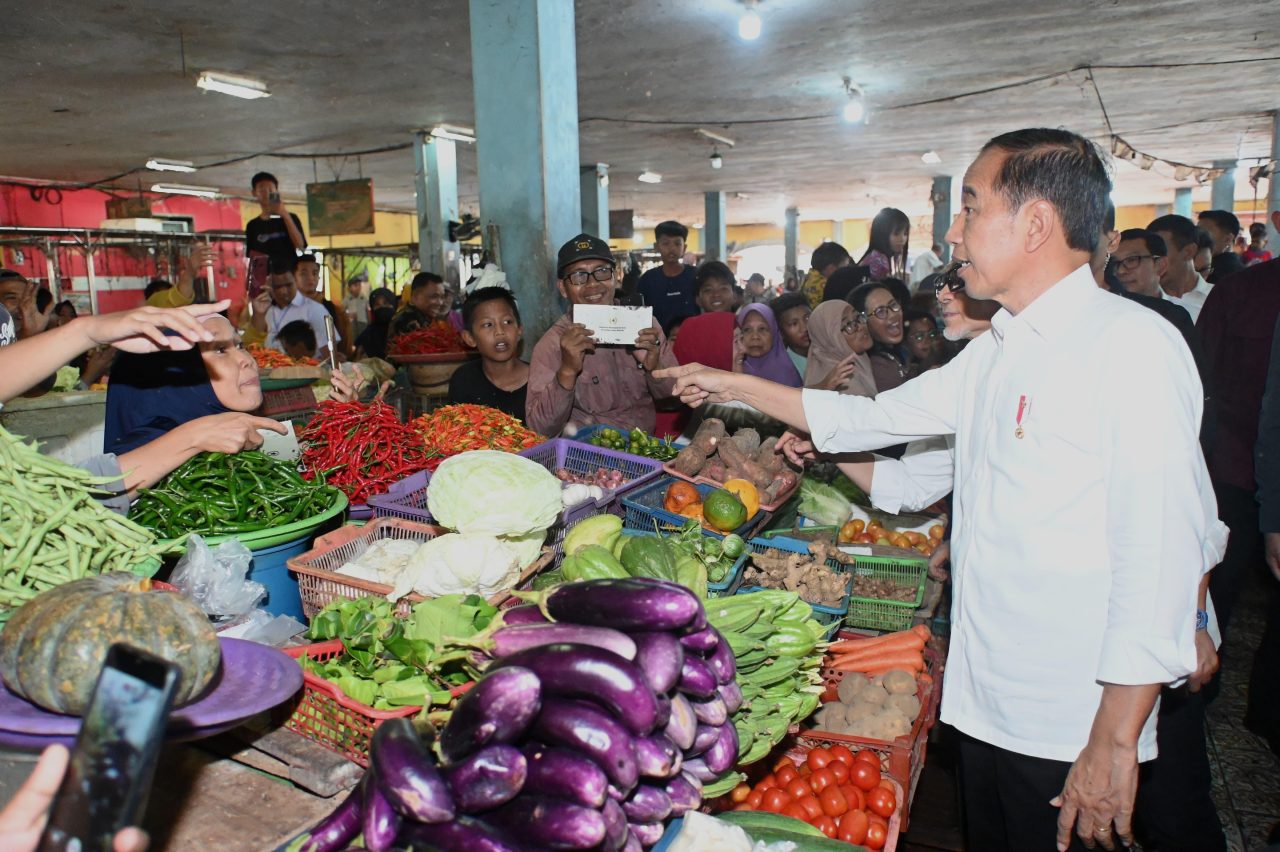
(217, 579)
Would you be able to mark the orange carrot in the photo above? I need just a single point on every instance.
(904, 640)
(907, 660)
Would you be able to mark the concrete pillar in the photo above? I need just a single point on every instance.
(837, 231)
(1273, 193)
(713, 232)
(1182, 202)
(942, 212)
(791, 239)
(435, 163)
(524, 72)
(1224, 187)
(595, 200)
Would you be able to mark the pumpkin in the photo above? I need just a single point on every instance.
(53, 647)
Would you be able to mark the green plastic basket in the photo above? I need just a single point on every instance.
(872, 614)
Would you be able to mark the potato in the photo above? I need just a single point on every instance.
(888, 724)
(909, 705)
(874, 695)
(899, 682)
(831, 717)
(850, 685)
(690, 461)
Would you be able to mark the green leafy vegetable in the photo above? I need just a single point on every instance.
(494, 493)
(823, 504)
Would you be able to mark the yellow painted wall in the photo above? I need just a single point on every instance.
(391, 228)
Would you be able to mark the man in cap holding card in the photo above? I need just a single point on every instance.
(576, 378)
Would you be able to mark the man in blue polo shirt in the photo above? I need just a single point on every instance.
(669, 288)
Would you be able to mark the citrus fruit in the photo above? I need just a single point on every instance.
(746, 492)
(724, 511)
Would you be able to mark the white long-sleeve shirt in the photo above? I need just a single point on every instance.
(1077, 547)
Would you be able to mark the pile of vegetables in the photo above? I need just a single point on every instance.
(222, 494)
(806, 575)
(268, 358)
(635, 442)
(360, 449)
(880, 708)
(53, 530)
(390, 662)
(454, 429)
(777, 649)
(451, 564)
(603, 713)
(716, 456)
(433, 339)
(721, 510)
(877, 655)
(858, 531)
(836, 791)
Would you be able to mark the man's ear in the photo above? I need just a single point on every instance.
(560, 287)
(1162, 266)
(468, 338)
(1038, 220)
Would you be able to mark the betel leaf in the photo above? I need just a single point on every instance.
(448, 617)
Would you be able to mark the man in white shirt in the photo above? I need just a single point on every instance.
(282, 303)
(925, 265)
(1080, 530)
(1181, 283)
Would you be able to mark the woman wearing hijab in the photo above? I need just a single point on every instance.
(838, 344)
(762, 350)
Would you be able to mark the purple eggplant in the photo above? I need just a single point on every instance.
(647, 804)
(683, 795)
(663, 716)
(510, 640)
(463, 834)
(581, 671)
(565, 774)
(657, 756)
(703, 641)
(648, 833)
(722, 663)
(340, 827)
(591, 731)
(696, 678)
(660, 656)
(633, 603)
(498, 709)
(703, 740)
(550, 823)
(683, 724)
(523, 614)
(692, 781)
(633, 843)
(381, 822)
(721, 757)
(492, 776)
(713, 712)
(731, 694)
(615, 794)
(615, 825)
(406, 773)
(697, 767)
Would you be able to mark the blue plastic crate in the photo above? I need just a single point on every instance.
(643, 510)
(826, 614)
(723, 589)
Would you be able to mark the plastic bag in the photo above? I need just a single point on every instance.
(216, 579)
(262, 627)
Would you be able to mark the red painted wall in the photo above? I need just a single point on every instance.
(120, 270)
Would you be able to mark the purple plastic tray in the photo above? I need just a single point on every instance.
(252, 678)
(406, 499)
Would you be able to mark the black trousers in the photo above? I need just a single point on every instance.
(1263, 713)
(1238, 509)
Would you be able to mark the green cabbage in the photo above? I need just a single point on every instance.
(820, 503)
(493, 493)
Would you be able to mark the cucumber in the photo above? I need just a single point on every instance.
(753, 821)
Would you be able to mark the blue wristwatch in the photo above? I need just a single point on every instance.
(1202, 620)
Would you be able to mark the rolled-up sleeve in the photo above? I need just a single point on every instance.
(1150, 407)
(547, 404)
(924, 475)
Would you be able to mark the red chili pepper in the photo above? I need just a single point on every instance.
(435, 338)
(361, 449)
(455, 429)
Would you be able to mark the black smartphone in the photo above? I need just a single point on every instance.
(109, 776)
(273, 197)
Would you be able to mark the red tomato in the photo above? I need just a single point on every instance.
(754, 799)
(821, 779)
(855, 797)
(783, 761)
(785, 774)
(743, 806)
(826, 825)
(833, 801)
(869, 756)
(881, 801)
(775, 800)
(864, 775)
(840, 770)
(804, 769)
(887, 784)
(799, 788)
(841, 753)
(853, 827)
(812, 807)
(877, 831)
(768, 782)
(818, 758)
(794, 811)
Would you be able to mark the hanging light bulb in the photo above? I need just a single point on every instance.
(716, 160)
(749, 24)
(855, 110)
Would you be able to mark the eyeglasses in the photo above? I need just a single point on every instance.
(922, 336)
(1133, 261)
(852, 325)
(582, 276)
(884, 311)
(950, 281)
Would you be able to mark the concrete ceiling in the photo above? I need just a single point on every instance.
(92, 89)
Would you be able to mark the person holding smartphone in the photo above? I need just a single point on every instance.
(275, 234)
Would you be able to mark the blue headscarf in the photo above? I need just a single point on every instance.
(149, 395)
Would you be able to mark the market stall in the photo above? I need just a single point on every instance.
(605, 642)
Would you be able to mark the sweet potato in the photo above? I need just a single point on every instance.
(716, 470)
(739, 465)
(766, 457)
(748, 440)
(690, 461)
(709, 435)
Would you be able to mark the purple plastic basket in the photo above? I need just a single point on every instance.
(405, 499)
(580, 458)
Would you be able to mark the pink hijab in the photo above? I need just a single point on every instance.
(775, 365)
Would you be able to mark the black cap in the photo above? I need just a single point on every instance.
(582, 247)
